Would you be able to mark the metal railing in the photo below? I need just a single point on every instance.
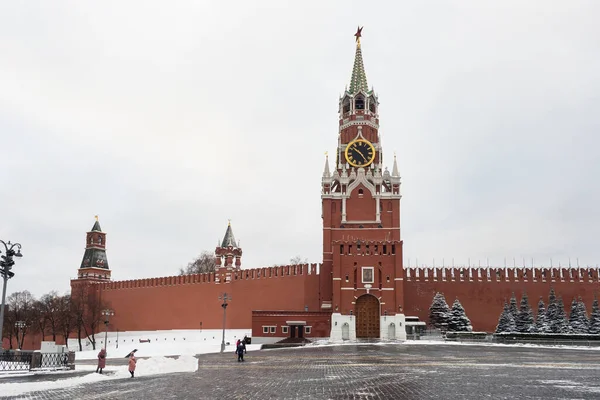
(21, 361)
(11, 361)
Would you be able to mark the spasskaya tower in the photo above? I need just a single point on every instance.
(362, 274)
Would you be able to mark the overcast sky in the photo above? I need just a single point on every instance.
(169, 118)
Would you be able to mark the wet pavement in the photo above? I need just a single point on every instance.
(371, 371)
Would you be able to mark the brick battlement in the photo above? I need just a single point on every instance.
(226, 275)
(501, 274)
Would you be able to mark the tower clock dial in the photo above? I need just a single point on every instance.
(360, 153)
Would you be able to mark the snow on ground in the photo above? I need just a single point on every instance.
(184, 344)
(151, 366)
(161, 343)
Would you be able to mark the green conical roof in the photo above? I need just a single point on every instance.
(96, 227)
(358, 82)
(229, 239)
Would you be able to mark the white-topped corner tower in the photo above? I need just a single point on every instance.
(362, 275)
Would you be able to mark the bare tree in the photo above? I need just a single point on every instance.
(66, 317)
(205, 262)
(87, 308)
(40, 319)
(51, 305)
(297, 260)
(21, 314)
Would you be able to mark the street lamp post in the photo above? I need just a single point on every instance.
(225, 297)
(19, 325)
(6, 262)
(107, 313)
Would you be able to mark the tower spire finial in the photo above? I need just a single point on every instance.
(358, 82)
(358, 34)
(96, 216)
(326, 172)
(395, 172)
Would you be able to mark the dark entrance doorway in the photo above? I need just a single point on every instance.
(296, 329)
(367, 317)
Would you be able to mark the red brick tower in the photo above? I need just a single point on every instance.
(228, 256)
(362, 274)
(94, 265)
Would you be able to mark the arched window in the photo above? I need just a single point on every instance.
(346, 105)
(360, 193)
(372, 105)
(359, 103)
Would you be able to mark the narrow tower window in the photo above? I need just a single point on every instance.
(341, 249)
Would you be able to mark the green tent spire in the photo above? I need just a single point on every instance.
(358, 82)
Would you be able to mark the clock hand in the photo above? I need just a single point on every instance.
(361, 154)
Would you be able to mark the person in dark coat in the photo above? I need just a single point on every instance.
(240, 351)
(101, 361)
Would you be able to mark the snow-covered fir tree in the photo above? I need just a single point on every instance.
(506, 322)
(594, 326)
(572, 314)
(578, 321)
(459, 322)
(540, 321)
(551, 296)
(439, 312)
(560, 324)
(524, 318)
(583, 315)
(512, 306)
(552, 314)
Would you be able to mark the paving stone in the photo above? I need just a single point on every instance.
(366, 372)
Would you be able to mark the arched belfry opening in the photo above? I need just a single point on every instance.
(367, 317)
(346, 105)
(372, 105)
(359, 102)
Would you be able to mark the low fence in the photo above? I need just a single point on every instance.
(11, 361)
(25, 361)
(548, 339)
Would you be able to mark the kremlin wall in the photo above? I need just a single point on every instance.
(361, 288)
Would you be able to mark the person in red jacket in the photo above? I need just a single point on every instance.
(132, 363)
(101, 361)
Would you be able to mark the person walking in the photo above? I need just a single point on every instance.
(132, 363)
(101, 361)
(240, 351)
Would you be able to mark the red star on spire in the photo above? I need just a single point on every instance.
(358, 33)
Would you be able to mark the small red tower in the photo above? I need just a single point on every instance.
(362, 274)
(228, 256)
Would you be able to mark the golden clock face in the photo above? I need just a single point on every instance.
(360, 153)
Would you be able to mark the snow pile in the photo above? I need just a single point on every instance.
(151, 366)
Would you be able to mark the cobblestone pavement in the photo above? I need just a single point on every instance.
(385, 371)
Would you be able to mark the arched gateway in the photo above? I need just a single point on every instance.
(367, 317)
